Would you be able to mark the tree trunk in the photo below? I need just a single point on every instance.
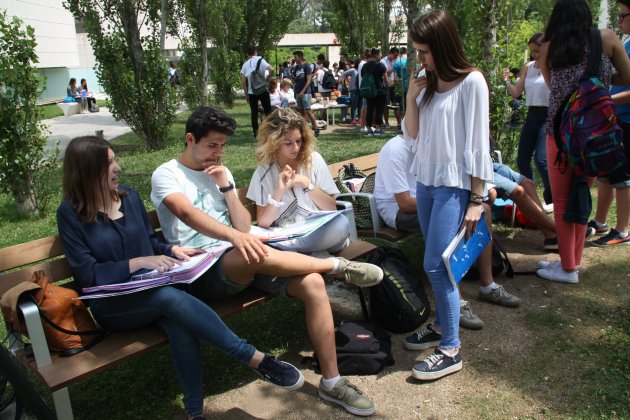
(202, 41)
(24, 196)
(387, 8)
(489, 25)
(163, 6)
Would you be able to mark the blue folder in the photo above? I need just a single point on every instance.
(461, 254)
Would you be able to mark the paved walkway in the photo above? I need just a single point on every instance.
(65, 128)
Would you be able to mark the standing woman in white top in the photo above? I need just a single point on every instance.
(448, 118)
(292, 181)
(533, 139)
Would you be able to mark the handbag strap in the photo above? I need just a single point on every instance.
(97, 332)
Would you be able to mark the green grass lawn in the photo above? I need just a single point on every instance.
(580, 338)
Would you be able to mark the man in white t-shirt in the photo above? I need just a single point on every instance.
(395, 194)
(248, 67)
(324, 92)
(389, 60)
(197, 204)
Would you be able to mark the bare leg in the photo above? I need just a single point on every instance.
(311, 290)
(623, 208)
(604, 201)
(277, 263)
(533, 210)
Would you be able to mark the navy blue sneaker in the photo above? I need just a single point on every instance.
(422, 340)
(436, 366)
(280, 374)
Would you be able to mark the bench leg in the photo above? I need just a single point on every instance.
(62, 404)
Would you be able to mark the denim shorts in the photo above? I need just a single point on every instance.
(304, 102)
(506, 180)
(214, 284)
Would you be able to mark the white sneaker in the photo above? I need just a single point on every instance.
(558, 274)
(548, 264)
(548, 208)
(364, 130)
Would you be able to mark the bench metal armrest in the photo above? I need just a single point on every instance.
(349, 213)
(36, 333)
(376, 226)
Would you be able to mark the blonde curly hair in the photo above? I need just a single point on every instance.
(272, 131)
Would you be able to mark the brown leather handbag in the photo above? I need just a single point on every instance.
(68, 326)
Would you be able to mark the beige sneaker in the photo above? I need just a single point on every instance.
(359, 273)
(349, 397)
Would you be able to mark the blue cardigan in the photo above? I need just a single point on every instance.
(99, 253)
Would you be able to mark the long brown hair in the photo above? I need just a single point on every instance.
(85, 166)
(437, 29)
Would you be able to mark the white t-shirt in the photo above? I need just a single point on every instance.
(393, 177)
(320, 80)
(265, 178)
(249, 66)
(173, 177)
(388, 64)
(453, 137)
(276, 98)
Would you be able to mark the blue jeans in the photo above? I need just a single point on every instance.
(185, 320)
(441, 211)
(534, 143)
(355, 97)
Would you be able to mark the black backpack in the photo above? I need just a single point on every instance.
(362, 349)
(398, 303)
(328, 80)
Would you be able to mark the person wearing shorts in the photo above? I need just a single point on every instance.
(197, 205)
(302, 75)
(522, 190)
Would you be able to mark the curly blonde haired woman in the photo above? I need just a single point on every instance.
(293, 181)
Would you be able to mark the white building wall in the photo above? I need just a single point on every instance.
(54, 30)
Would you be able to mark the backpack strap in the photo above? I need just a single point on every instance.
(595, 57)
(258, 64)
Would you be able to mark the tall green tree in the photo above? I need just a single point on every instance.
(125, 37)
(22, 136)
(357, 23)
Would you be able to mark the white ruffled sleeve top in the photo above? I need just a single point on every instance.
(453, 142)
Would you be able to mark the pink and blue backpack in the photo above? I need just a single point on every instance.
(585, 127)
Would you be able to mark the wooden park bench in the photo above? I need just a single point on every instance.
(19, 262)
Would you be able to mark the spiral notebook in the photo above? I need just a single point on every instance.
(461, 254)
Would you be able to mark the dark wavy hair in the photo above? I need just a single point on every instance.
(85, 169)
(567, 32)
(624, 2)
(437, 29)
(209, 118)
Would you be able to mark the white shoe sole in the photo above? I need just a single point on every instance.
(429, 376)
(557, 280)
(293, 387)
(422, 346)
(348, 408)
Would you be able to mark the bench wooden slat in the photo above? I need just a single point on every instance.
(357, 249)
(122, 346)
(367, 164)
(56, 270)
(30, 252)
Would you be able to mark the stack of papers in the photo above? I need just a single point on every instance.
(185, 273)
(461, 254)
(300, 229)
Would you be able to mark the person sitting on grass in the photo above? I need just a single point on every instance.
(293, 181)
(395, 194)
(198, 206)
(107, 237)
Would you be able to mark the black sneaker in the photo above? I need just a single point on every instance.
(316, 133)
(436, 366)
(613, 238)
(551, 244)
(593, 229)
(423, 339)
(280, 374)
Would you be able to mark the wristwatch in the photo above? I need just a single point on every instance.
(230, 187)
(309, 188)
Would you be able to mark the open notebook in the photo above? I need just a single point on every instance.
(461, 254)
